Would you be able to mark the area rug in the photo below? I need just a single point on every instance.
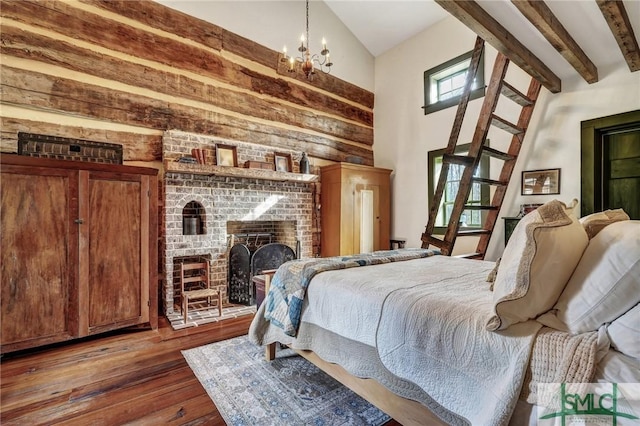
(248, 391)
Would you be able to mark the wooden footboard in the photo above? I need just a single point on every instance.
(404, 411)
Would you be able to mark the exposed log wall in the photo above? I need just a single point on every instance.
(124, 72)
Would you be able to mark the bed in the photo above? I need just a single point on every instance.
(433, 339)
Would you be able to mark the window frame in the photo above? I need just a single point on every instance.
(485, 191)
(452, 64)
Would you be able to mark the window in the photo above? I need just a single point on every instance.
(479, 195)
(443, 85)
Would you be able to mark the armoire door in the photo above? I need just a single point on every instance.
(114, 250)
(366, 218)
(39, 241)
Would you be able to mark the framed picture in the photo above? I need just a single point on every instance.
(226, 155)
(283, 162)
(541, 182)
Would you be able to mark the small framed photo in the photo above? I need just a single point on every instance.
(226, 155)
(541, 182)
(283, 162)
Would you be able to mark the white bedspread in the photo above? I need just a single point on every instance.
(411, 312)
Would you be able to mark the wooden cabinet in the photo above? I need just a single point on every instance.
(79, 249)
(356, 209)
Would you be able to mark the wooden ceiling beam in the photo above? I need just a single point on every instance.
(616, 16)
(481, 23)
(539, 14)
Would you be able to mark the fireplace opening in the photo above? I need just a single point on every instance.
(255, 246)
(193, 219)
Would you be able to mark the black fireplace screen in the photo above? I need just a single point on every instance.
(250, 258)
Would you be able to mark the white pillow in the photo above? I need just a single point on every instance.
(624, 333)
(539, 258)
(605, 284)
(594, 222)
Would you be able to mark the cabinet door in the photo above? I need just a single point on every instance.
(366, 218)
(39, 255)
(114, 250)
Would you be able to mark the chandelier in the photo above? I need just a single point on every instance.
(307, 61)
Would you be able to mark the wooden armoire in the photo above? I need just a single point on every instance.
(355, 209)
(79, 249)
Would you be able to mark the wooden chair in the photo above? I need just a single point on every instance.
(197, 286)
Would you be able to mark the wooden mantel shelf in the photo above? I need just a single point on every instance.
(237, 172)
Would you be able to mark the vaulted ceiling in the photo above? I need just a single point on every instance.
(551, 39)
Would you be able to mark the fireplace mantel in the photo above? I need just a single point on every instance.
(238, 172)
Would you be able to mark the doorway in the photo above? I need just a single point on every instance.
(610, 175)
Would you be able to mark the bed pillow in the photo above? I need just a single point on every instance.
(539, 258)
(605, 284)
(624, 333)
(594, 223)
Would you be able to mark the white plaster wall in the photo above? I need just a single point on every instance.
(404, 135)
(279, 23)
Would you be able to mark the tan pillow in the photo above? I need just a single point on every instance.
(605, 284)
(539, 258)
(594, 223)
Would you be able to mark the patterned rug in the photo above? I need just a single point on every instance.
(289, 390)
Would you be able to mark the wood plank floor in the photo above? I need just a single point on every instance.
(129, 377)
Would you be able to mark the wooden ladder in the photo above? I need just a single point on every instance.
(497, 87)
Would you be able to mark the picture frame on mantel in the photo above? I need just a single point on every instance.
(541, 182)
(282, 162)
(226, 155)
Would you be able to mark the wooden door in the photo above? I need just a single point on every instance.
(366, 218)
(621, 170)
(610, 164)
(39, 255)
(114, 250)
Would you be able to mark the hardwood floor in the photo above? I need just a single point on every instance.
(127, 377)
(130, 377)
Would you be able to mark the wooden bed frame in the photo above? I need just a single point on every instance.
(403, 410)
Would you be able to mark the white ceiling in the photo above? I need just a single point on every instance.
(383, 24)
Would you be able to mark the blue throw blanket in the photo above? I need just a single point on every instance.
(289, 285)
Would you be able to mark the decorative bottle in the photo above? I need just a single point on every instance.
(304, 164)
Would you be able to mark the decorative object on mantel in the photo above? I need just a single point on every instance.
(226, 155)
(306, 59)
(527, 208)
(304, 163)
(258, 165)
(541, 182)
(282, 162)
(187, 160)
(171, 166)
(199, 155)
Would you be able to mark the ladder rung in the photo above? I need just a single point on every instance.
(430, 239)
(471, 232)
(479, 207)
(497, 154)
(503, 124)
(515, 95)
(463, 160)
(490, 181)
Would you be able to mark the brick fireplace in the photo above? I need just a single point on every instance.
(202, 212)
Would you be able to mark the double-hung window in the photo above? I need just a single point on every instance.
(443, 85)
(479, 195)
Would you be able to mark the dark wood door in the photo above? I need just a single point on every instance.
(610, 164)
(116, 248)
(621, 170)
(39, 256)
